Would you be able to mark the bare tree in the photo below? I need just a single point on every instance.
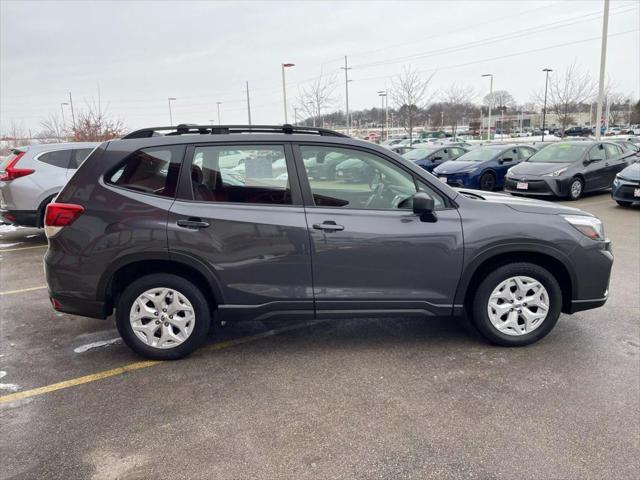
(409, 93)
(95, 124)
(16, 136)
(53, 129)
(317, 96)
(567, 92)
(500, 99)
(458, 105)
(618, 107)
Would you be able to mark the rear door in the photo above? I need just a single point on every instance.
(594, 171)
(246, 224)
(370, 253)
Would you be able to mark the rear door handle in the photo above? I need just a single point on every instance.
(193, 223)
(328, 226)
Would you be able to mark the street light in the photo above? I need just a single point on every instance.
(544, 108)
(218, 105)
(62, 104)
(170, 99)
(385, 107)
(490, 103)
(284, 88)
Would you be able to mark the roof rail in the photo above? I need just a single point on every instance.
(189, 128)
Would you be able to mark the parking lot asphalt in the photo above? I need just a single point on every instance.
(387, 399)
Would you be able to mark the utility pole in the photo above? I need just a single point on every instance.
(383, 96)
(346, 69)
(218, 105)
(284, 89)
(170, 99)
(490, 103)
(73, 115)
(62, 104)
(544, 108)
(295, 115)
(248, 103)
(603, 61)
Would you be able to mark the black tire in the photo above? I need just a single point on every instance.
(622, 203)
(186, 288)
(487, 181)
(573, 195)
(480, 315)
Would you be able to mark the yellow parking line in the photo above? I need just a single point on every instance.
(21, 248)
(22, 290)
(143, 364)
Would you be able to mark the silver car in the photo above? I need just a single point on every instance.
(33, 175)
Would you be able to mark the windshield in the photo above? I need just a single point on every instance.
(481, 154)
(418, 153)
(559, 153)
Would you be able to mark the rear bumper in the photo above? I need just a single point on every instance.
(78, 306)
(21, 218)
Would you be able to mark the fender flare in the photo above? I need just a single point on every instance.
(472, 266)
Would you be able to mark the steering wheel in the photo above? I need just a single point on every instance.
(376, 195)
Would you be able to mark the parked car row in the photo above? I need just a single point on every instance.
(562, 169)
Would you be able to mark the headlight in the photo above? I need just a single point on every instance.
(589, 226)
(557, 173)
(509, 171)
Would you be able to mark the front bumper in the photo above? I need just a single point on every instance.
(538, 185)
(457, 179)
(592, 262)
(625, 190)
(21, 218)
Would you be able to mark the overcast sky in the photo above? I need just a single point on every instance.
(140, 53)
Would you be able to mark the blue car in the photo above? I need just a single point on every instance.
(430, 156)
(483, 168)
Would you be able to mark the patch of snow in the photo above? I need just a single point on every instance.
(8, 228)
(101, 343)
(12, 387)
(7, 245)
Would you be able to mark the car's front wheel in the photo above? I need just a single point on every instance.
(576, 187)
(487, 181)
(163, 316)
(517, 304)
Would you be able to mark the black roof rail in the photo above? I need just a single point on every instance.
(189, 128)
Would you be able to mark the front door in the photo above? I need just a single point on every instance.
(594, 172)
(370, 254)
(239, 215)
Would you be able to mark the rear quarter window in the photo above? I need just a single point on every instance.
(150, 170)
(56, 158)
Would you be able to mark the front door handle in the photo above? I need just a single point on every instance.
(193, 223)
(328, 226)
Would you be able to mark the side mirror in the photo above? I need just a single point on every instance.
(436, 158)
(508, 159)
(424, 206)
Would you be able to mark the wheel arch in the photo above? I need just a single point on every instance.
(125, 270)
(548, 258)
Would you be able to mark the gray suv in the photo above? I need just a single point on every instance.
(154, 227)
(31, 176)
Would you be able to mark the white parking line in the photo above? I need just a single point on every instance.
(22, 290)
(22, 248)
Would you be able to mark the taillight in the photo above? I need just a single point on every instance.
(59, 215)
(11, 172)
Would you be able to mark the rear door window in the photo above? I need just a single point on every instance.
(612, 150)
(151, 170)
(57, 158)
(78, 156)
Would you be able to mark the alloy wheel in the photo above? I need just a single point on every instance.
(576, 188)
(518, 305)
(162, 318)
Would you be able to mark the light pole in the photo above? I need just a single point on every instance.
(490, 103)
(544, 108)
(62, 104)
(295, 115)
(603, 61)
(383, 96)
(248, 103)
(73, 115)
(284, 89)
(218, 107)
(170, 99)
(346, 69)
(383, 93)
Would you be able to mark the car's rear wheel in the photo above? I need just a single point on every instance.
(622, 203)
(163, 316)
(517, 304)
(576, 188)
(487, 181)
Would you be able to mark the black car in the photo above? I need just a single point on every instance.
(429, 157)
(578, 132)
(567, 169)
(626, 186)
(150, 227)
